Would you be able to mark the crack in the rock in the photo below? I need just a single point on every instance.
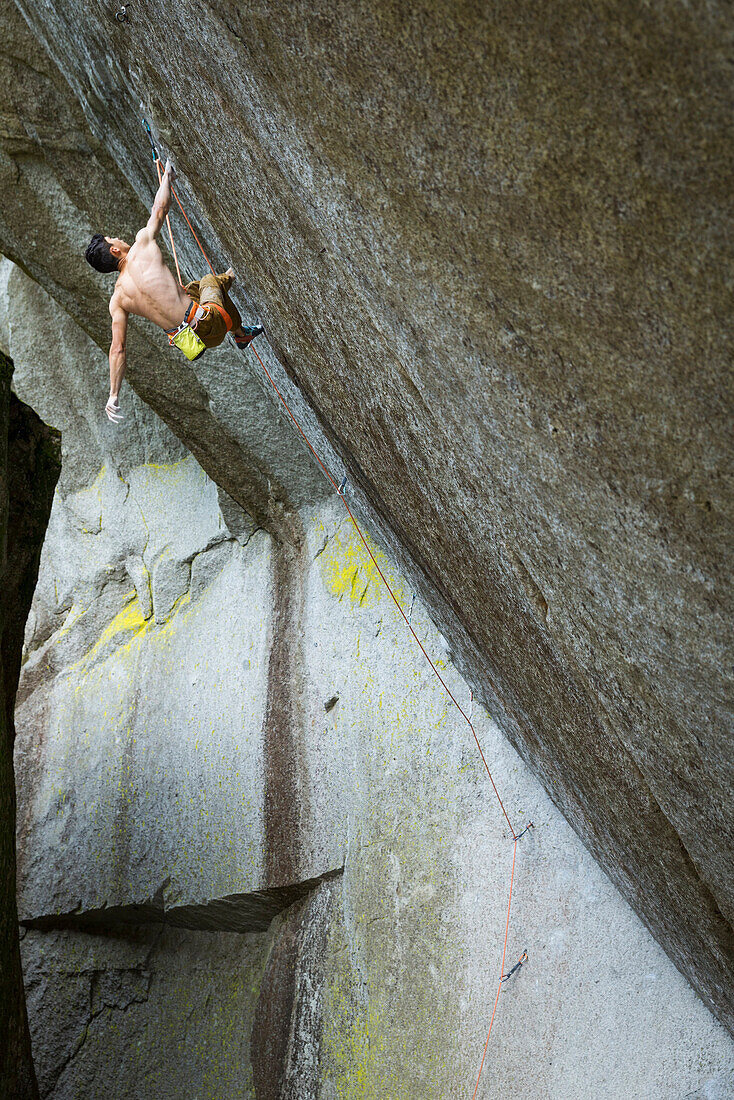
(251, 912)
(94, 974)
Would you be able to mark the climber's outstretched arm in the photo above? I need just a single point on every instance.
(118, 360)
(161, 202)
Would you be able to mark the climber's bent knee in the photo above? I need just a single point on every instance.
(211, 292)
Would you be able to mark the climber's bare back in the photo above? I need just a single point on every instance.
(146, 287)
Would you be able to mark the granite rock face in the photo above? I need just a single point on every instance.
(112, 1015)
(257, 855)
(491, 252)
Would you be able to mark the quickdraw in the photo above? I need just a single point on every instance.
(523, 959)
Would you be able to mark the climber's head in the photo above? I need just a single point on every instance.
(105, 253)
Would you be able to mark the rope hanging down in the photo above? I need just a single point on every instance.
(340, 492)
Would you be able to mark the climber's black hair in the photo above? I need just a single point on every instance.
(99, 256)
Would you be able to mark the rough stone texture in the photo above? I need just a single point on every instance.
(29, 469)
(192, 655)
(288, 1026)
(492, 246)
(153, 1013)
(152, 786)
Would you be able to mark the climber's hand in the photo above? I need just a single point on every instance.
(112, 408)
(170, 171)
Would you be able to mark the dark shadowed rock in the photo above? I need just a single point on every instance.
(29, 469)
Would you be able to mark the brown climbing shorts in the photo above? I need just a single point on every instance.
(210, 292)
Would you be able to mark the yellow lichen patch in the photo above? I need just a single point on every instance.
(129, 628)
(170, 474)
(183, 606)
(378, 1040)
(129, 622)
(350, 1055)
(348, 570)
(73, 617)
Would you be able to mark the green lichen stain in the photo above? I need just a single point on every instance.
(351, 1058)
(391, 1010)
(348, 570)
(395, 966)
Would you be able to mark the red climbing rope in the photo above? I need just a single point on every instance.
(444, 683)
(502, 970)
(193, 232)
(405, 618)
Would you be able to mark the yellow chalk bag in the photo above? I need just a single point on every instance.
(188, 342)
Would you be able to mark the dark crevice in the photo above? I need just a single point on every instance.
(251, 912)
(29, 470)
(285, 808)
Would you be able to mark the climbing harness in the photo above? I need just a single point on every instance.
(339, 488)
(220, 309)
(523, 959)
(187, 340)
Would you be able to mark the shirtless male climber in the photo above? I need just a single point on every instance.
(147, 288)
